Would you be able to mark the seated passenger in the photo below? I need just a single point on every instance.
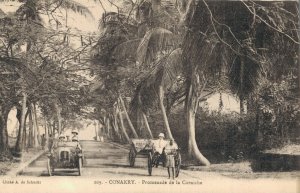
(61, 140)
(75, 134)
(158, 147)
(75, 137)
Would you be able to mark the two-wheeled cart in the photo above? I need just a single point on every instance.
(144, 148)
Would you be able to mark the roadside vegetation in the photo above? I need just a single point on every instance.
(153, 64)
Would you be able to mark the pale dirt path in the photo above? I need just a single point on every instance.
(107, 167)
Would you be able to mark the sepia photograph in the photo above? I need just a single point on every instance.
(149, 96)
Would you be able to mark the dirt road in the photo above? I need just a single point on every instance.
(106, 165)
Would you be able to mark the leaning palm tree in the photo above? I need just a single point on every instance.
(243, 41)
(117, 31)
(154, 55)
(159, 82)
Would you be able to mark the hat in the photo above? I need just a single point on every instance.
(75, 131)
(161, 135)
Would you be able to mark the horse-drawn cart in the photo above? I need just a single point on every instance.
(145, 148)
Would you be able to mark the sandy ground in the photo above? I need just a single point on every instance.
(291, 149)
(10, 164)
(106, 169)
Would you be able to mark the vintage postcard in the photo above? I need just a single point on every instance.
(149, 96)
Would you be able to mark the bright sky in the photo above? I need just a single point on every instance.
(230, 103)
(75, 20)
(85, 133)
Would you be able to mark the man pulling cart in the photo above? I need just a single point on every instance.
(157, 151)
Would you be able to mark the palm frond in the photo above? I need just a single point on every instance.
(188, 10)
(172, 69)
(166, 73)
(67, 4)
(77, 7)
(155, 41)
(28, 11)
(126, 50)
(244, 76)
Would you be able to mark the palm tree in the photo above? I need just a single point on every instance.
(214, 23)
(216, 45)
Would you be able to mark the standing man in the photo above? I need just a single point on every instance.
(170, 151)
(50, 143)
(43, 140)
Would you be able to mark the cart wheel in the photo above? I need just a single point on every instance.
(150, 163)
(132, 156)
(177, 164)
(50, 170)
(79, 166)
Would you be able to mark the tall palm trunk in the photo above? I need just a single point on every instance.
(241, 97)
(25, 137)
(19, 145)
(96, 130)
(115, 123)
(107, 127)
(128, 118)
(31, 129)
(50, 130)
(36, 123)
(3, 128)
(122, 126)
(191, 107)
(46, 132)
(116, 126)
(147, 125)
(58, 116)
(53, 128)
(139, 123)
(163, 110)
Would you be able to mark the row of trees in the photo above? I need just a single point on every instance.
(40, 68)
(161, 53)
(152, 56)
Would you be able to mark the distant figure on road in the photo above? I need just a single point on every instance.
(170, 151)
(50, 143)
(75, 135)
(43, 141)
(158, 146)
(68, 138)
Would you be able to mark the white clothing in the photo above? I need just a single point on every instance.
(159, 145)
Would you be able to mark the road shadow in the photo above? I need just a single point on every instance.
(134, 174)
(121, 165)
(112, 166)
(61, 173)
